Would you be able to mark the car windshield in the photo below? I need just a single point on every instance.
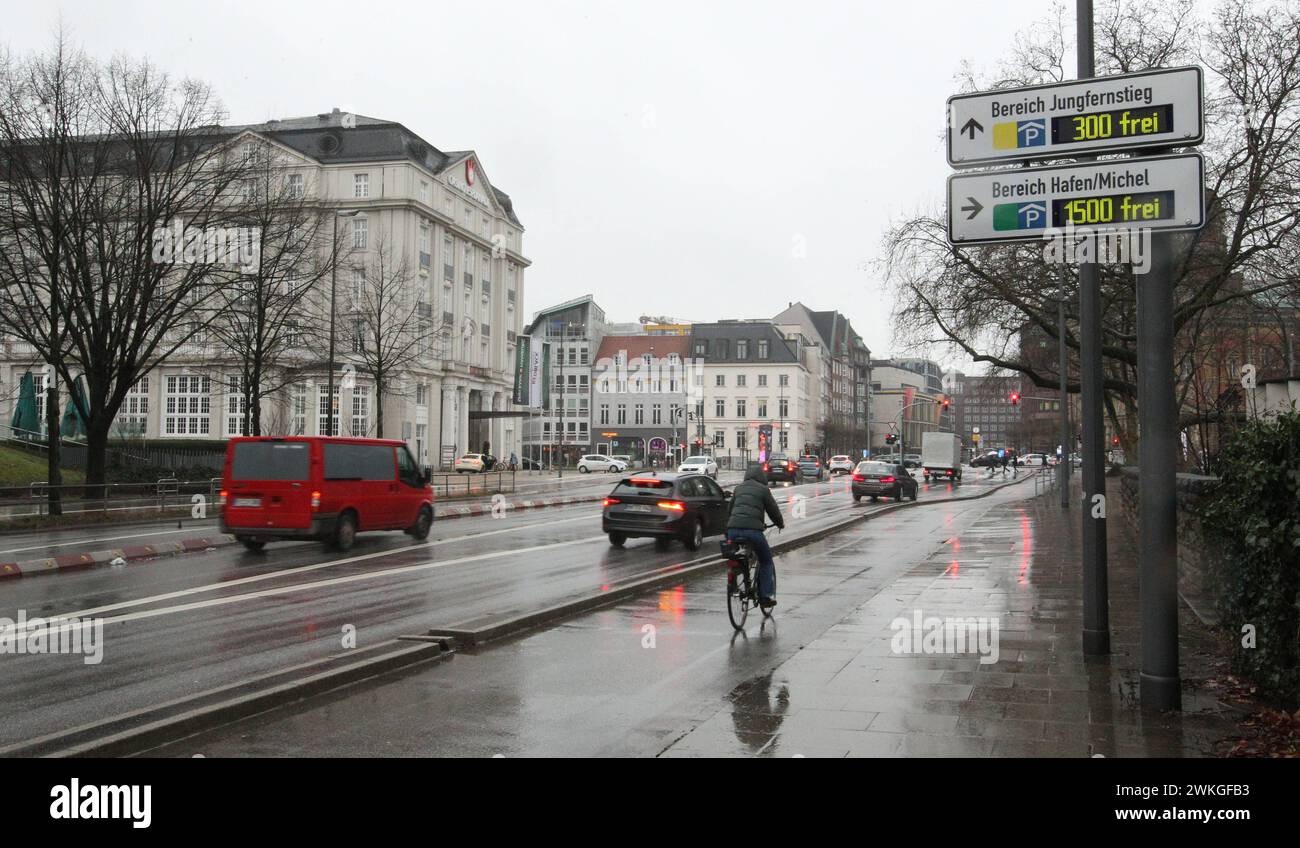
(697, 459)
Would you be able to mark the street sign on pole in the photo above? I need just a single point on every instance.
(1025, 204)
(1160, 108)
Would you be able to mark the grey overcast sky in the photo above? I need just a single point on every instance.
(701, 160)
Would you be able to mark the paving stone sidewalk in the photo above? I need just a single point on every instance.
(848, 693)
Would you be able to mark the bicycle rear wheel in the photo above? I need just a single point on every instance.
(739, 594)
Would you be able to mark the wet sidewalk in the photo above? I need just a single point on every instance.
(851, 693)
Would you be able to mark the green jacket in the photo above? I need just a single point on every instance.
(751, 501)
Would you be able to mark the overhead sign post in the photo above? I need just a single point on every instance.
(1025, 204)
(1161, 108)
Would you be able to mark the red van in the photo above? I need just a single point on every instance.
(317, 487)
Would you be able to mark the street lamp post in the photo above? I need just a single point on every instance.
(334, 285)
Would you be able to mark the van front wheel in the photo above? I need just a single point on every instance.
(419, 531)
(345, 532)
(251, 543)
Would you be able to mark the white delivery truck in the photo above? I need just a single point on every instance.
(941, 456)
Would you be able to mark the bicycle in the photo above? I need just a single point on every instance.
(742, 580)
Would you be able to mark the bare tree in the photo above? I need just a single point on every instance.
(389, 327)
(46, 102)
(984, 301)
(266, 316)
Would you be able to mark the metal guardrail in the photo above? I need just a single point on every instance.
(1045, 480)
(160, 495)
(478, 483)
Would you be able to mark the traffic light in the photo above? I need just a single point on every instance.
(1015, 398)
(890, 438)
(945, 403)
(1115, 441)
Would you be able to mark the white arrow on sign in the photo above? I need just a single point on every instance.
(1032, 204)
(1161, 108)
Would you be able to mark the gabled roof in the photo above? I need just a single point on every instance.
(639, 345)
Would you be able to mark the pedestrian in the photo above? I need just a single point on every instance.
(514, 461)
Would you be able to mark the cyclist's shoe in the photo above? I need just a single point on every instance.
(767, 603)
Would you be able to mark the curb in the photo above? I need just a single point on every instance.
(474, 633)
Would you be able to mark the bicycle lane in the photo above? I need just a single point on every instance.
(625, 680)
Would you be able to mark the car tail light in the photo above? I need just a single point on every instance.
(222, 500)
(315, 500)
(886, 479)
(608, 501)
(765, 467)
(859, 478)
(675, 506)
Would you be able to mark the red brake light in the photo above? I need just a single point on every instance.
(886, 479)
(608, 501)
(315, 500)
(765, 468)
(675, 506)
(858, 478)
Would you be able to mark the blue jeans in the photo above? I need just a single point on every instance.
(766, 567)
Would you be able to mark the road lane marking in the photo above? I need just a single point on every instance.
(270, 575)
(104, 539)
(295, 587)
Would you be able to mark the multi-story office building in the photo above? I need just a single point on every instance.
(752, 378)
(573, 330)
(640, 387)
(907, 395)
(452, 244)
(843, 376)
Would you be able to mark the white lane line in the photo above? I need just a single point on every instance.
(271, 575)
(333, 581)
(102, 539)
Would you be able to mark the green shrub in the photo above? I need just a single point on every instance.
(1254, 515)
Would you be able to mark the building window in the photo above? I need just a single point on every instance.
(294, 186)
(656, 414)
(762, 409)
(326, 411)
(638, 414)
(424, 192)
(784, 408)
(740, 439)
(740, 381)
(719, 408)
(785, 439)
(740, 408)
(298, 410)
(785, 380)
(762, 348)
(622, 414)
(360, 185)
(133, 417)
(742, 349)
(604, 414)
(236, 406)
(360, 233)
(720, 381)
(188, 406)
(360, 410)
(762, 380)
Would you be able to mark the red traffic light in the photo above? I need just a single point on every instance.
(1115, 441)
(1015, 398)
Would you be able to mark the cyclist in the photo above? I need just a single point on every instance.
(751, 504)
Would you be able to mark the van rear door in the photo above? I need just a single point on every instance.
(268, 484)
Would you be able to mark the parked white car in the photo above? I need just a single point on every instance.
(599, 462)
(470, 463)
(699, 465)
(840, 464)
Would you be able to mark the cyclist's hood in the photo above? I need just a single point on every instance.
(756, 473)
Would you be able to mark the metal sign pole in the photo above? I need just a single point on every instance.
(1160, 686)
(1096, 604)
(1063, 465)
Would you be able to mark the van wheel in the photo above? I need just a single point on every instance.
(345, 532)
(419, 531)
(617, 539)
(251, 544)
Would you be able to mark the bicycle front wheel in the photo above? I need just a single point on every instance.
(739, 595)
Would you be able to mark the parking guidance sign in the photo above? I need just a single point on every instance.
(1026, 204)
(1161, 108)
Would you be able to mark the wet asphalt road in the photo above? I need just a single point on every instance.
(594, 685)
(179, 625)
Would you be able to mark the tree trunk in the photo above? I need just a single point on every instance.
(379, 411)
(53, 469)
(96, 459)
